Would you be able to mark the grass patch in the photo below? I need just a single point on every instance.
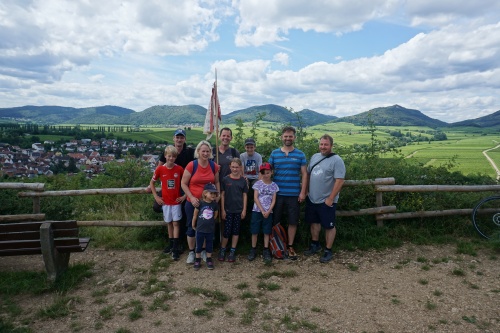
(295, 289)
(60, 308)
(242, 285)
(430, 306)
(107, 312)
(466, 248)
(202, 313)
(458, 272)
(285, 274)
(14, 283)
(251, 309)
(352, 267)
(425, 267)
(137, 309)
(215, 294)
(422, 260)
(316, 309)
(395, 301)
(437, 293)
(423, 282)
(269, 286)
(247, 294)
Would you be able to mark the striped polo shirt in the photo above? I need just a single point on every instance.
(287, 170)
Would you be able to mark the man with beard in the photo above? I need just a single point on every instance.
(326, 172)
(290, 168)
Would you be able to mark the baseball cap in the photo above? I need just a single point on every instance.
(250, 141)
(210, 188)
(265, 166)
(180, 131)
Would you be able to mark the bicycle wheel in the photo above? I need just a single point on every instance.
(486, 217)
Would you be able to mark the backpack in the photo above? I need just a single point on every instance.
(278, 241)
(157, 208)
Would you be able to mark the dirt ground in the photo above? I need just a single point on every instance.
(408, 289)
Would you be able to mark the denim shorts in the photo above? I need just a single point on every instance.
(259, 223)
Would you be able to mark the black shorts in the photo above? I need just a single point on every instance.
(320, 213)
(292, 206)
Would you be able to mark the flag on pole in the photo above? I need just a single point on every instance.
(213, 114)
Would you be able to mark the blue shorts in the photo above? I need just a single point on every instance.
(259, 223)
(320, 213)
(292, 206)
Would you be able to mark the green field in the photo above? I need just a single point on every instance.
(465, 147)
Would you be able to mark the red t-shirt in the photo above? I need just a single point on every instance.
(201, 177)
(170, 182)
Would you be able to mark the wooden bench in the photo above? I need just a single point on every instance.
(55, 240)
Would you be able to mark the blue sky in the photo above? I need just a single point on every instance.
(333, 56)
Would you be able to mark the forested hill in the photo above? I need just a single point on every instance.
(279, 114)
(165, 115)
(393, 116)
(492, 120)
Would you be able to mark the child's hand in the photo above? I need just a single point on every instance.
(243, 214)
(181, 199)
(159, 201)
(266, 214)
(223, 215)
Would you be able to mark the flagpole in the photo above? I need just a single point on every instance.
(217, 123)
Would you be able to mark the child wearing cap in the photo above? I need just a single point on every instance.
(251, 161)
(203, 223)
(262, 212)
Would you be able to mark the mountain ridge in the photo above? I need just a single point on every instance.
(186, 115)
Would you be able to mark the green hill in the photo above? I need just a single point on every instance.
(393, 116)
(278, 114)
(492, 120)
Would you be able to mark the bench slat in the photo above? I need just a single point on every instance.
(18, 252)
(33, 226)
(36, 234)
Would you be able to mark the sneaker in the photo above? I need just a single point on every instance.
(175, 255)
(327, 256)
(210, 264)
(190, 258)
(167, 249)
(232, 256)
(197, 265)
(222, 254)
(313, 249)
(204, 255)
(252, 255)
(291, 254)
(266, 254)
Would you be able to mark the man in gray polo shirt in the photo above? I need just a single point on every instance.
(326, 172)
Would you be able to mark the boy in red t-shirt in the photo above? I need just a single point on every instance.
(170, 174)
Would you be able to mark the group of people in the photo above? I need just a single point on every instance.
(196, 191)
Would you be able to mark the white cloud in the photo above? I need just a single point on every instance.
(45, 39)
(281, 58)
(264, 21)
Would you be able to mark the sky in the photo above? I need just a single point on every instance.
(336, 57)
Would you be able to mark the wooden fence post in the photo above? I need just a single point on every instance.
(379, 202)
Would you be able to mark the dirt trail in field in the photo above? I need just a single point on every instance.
(493, 164)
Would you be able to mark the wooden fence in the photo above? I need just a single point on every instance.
(380, 185)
